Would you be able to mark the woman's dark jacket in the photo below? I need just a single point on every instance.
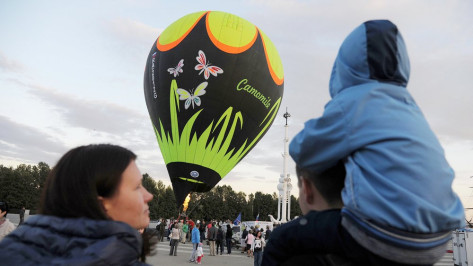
(50, 240)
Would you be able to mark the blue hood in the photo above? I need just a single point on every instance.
(373, 52)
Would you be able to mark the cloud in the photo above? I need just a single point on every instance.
(443, 93)
(133, 31)
(78, 121)
(10, 65)
(90, 114)
(131, 39)
(27, 144)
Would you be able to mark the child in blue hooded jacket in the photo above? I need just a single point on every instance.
(398, 202)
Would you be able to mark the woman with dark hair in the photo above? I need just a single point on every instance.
(92, 204)
(257, 248)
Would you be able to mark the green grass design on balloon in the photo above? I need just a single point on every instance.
(189, 148)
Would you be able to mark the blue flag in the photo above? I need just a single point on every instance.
(237, 220)
(257, 216)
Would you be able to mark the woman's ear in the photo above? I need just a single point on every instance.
(104, 202)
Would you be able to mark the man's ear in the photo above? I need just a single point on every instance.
(307, 188)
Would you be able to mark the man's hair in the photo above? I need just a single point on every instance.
(81, 175)
(329, 183)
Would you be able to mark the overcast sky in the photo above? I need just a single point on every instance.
(71, 73)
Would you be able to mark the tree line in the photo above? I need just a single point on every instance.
(22, 186)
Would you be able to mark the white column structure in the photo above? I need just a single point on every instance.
(284, 186)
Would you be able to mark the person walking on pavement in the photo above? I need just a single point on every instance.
(257, 248)
(268, 233)
(250, 238)
(202, 231)
(162, 228)
(185, 229)
(243, 238)
(220, 239)
(212, 237)
(195, 242)
(175, 234)
(228, 237)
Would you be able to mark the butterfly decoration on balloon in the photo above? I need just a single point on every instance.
(178, 69)
(205, 67)
(193, 96)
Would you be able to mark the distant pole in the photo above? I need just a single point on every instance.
(285, 180)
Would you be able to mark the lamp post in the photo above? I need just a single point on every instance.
(285, 187)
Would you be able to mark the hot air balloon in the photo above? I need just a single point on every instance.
(213, 85)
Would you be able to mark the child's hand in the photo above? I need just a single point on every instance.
(3, 214)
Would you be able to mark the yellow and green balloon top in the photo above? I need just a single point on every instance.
(213, 85)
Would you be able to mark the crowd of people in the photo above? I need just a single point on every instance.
(218, 235)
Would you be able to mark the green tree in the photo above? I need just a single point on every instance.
(221, 203)
(6, 182)
(152, 188)
(262, 206)
(295, 208)
(210, 202)
(39, 173)
(274, 205)
(160, 198)
(22, 186)
(169, 204)
(43, 172)
(247, 211)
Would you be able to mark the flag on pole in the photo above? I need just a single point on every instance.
(237, 220)
(257, 216)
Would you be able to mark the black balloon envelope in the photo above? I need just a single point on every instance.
(213, 85)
